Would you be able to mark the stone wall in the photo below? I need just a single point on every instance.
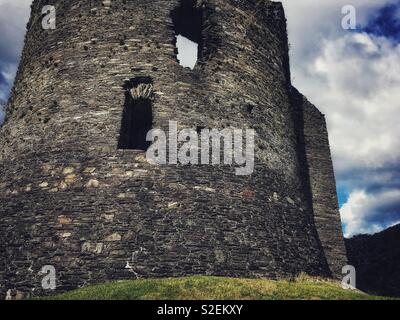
(319, 180)
(69, 198)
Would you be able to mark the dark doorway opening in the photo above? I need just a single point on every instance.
(137, 117)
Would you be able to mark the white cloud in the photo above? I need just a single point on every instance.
(356, 83)
(13, 18)
(370, 213)
(310, 21)
(352, 77)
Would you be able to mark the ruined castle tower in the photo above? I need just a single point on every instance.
(76, 190)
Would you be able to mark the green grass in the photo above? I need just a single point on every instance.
(216, 288)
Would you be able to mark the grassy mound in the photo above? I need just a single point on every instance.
(216, 288)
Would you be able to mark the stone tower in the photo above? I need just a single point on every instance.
(76, 190)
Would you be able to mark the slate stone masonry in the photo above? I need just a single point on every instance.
(70, 198)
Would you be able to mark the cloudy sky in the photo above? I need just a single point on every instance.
(353, 76)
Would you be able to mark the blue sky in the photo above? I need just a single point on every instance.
(385, 22)
(352, 76)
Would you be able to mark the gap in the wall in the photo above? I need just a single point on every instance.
(187, 20)
(187, 51)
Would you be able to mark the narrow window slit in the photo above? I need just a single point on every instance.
(137, 117)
